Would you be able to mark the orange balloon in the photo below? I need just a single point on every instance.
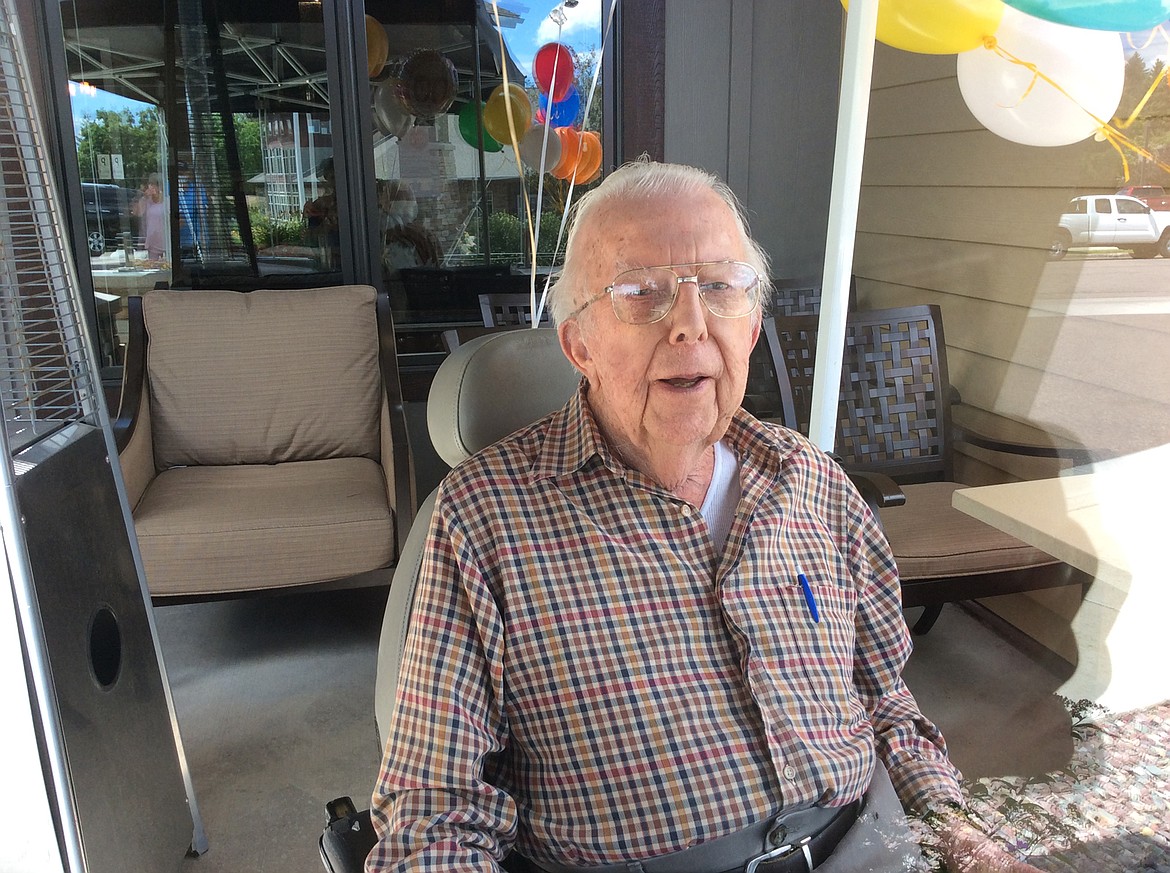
(590, 160)
(570, 152)
(377, 46)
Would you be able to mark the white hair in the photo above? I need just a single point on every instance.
(639, 179)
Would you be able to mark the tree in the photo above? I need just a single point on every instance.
(248, 142)
(133, 136)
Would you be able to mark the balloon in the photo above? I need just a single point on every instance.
(590, 160)
(1009, 100)
(564, 112)
(551, 55)
(469, 129)
(495, 112)
(531, 144)
(390, 116)
(429, 83)
(936, 27)
(570, 152)
(1098, 15)
(377, 46)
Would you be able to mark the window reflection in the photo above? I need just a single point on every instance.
(207, 150)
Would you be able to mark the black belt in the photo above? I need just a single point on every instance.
(793, 842)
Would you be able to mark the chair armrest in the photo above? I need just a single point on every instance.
(879, 490)
(396, 456)
(131, 427)
(133, 376)
(996, 433)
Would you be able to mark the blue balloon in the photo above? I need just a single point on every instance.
(1119, 15)
(564, 112)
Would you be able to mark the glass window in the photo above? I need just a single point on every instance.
(460, 209)
(207, 147)
(200, 146)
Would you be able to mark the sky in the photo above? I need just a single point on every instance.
(581, 29)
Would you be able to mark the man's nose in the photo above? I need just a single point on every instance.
(688, 316)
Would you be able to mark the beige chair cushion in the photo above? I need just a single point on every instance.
(263, 402)
(928, 536)
(222, 529)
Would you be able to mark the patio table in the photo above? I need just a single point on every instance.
(1106, 519)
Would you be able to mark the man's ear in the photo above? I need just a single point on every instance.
(574, 346)
(756, 328)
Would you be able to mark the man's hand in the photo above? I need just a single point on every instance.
(968, 850)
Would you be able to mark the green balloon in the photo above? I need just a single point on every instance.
(469, 129)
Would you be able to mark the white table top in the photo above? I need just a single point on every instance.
(1104, 519)
(1107, 520)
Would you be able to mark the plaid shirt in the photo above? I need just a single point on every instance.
(587, 678)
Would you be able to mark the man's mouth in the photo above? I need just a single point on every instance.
(684, 381)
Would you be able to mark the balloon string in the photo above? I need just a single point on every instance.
(1109, 138)
(1108, 132)
(1154, 34)
(1145, 99)
(538, 308)
(580, 146)
(512, 127)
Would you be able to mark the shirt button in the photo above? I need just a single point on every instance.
(789, 772)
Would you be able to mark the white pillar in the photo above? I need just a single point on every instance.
(852, 118)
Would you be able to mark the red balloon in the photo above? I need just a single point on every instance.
(550, 55)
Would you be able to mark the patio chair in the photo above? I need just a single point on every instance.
(260, 440)
(790, 296)
(503, 309)
(894, 436)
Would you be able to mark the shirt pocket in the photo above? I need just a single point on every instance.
(819, 653)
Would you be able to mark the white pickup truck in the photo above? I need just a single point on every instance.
(1113, 220)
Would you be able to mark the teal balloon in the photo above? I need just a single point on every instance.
(469, 129)
(1119, 15)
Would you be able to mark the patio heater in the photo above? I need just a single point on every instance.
(93, 771)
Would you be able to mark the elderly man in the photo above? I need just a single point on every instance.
(650, 632)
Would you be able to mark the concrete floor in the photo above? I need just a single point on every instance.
(275, 701)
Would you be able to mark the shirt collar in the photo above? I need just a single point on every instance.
(573, 439)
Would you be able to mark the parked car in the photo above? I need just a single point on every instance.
(1113, 220)
(108, 214)
(1154, 196)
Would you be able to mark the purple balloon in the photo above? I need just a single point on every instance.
(564, 112)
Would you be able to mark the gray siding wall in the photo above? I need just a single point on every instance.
(751, 94)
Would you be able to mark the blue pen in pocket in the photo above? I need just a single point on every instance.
(809, 600)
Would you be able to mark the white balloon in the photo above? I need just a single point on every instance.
(390, 116)
(531, 144)
(1087, 65)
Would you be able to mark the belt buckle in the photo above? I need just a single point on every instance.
(783, 852)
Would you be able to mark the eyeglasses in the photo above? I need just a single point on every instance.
(729, 289)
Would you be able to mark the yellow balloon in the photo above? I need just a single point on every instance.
(495, 113)
(377, 46)
(936, 27)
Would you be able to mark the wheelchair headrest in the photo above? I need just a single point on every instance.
(494, 385)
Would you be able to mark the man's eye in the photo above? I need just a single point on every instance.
(636, 292)
(715, 287)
